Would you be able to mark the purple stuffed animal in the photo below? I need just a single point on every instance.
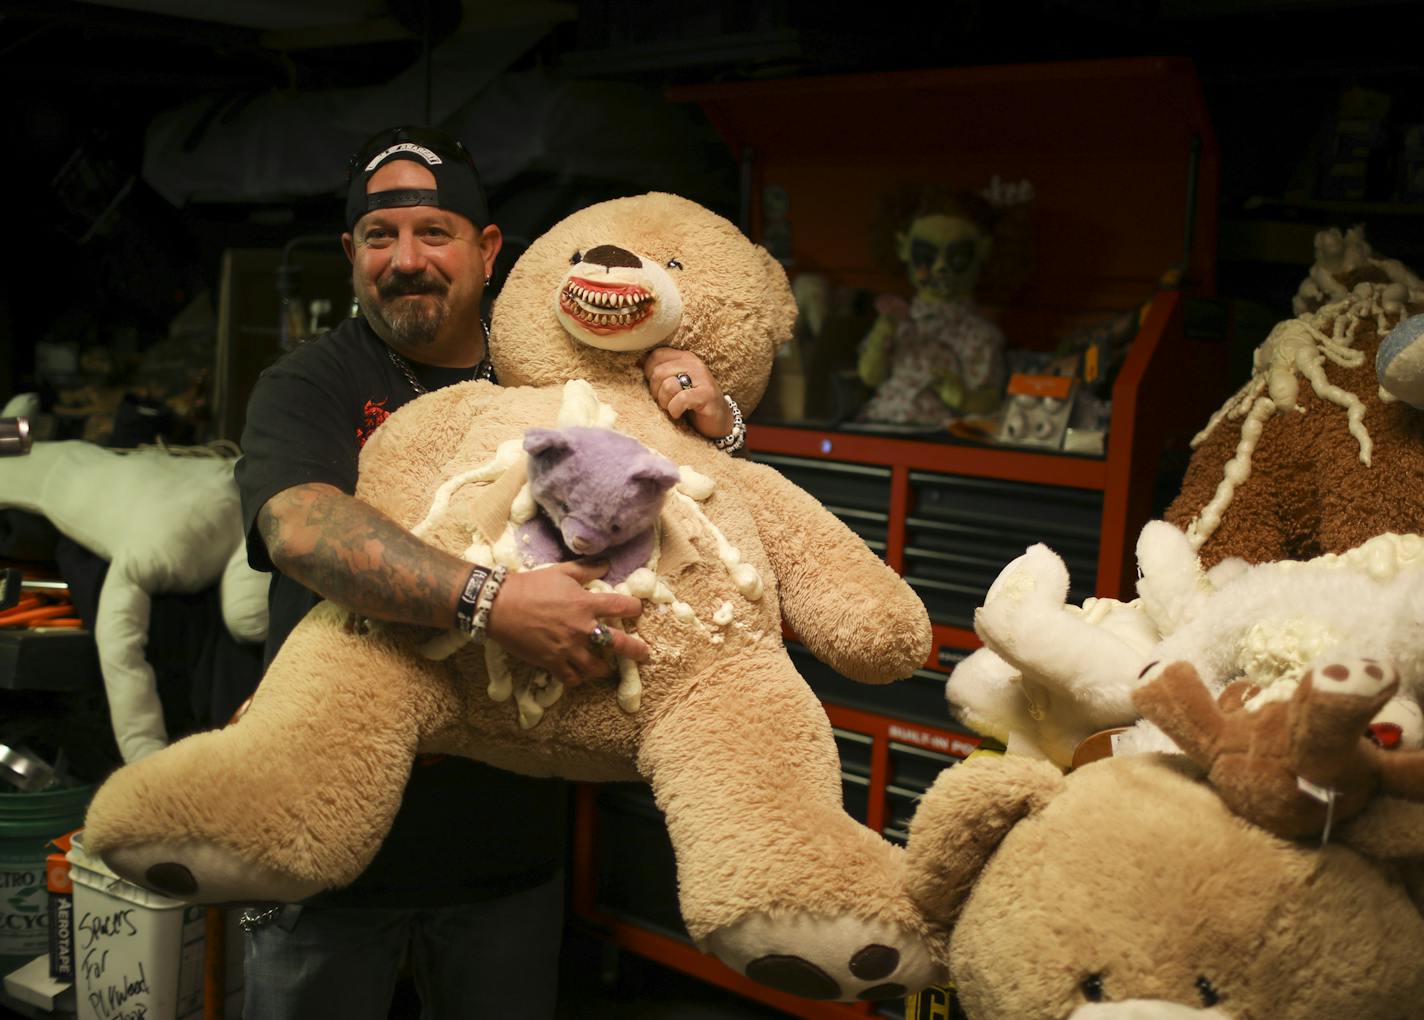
(600, 492)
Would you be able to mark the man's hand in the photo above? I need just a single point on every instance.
(703, 399)
(544, 617)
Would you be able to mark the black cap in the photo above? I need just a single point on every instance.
(457, 181)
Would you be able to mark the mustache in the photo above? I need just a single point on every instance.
(400, 284)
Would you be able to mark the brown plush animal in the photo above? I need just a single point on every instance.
(773, 875)
(1128, 889)
(1257, 751)
(1320, 462)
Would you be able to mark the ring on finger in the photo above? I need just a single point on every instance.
(600, 636)
(684, 380)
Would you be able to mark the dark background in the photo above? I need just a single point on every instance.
(98, 258)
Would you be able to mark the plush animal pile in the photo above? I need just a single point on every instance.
(774, 876)
(1271, 865)
(1050, 674)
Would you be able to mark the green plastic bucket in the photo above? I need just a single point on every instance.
(28, 821)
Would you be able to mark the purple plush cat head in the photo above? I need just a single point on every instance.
(599, 487)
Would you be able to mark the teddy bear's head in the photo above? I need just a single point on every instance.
(598, 487)
(607, 284)
(1128, 889)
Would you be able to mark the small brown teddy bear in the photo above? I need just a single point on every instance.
(1279, 758)
(1322, 460)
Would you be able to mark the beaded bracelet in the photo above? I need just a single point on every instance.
(469, 600)
(737, 438)
(486, 601)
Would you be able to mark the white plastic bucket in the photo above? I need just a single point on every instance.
(136, 954)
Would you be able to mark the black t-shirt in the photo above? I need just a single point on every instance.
(465, 831)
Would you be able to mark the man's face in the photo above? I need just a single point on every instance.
(943, 255)
(418, 272)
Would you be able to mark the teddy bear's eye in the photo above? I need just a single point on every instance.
(564, 507)
(1209, 995)
(575, 258)
(615, 528)
(1092, 987)
(674, 264)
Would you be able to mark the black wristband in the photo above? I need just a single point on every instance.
(469, 600)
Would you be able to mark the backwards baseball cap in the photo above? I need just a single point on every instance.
(457, 181)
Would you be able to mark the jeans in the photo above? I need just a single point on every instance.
(471, 961)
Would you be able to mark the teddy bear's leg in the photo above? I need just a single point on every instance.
(294, 797)
(774, 877)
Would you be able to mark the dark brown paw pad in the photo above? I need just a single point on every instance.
(874, 962)
(794, 975)
(172, 879)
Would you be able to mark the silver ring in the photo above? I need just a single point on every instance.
(684, 380)
(600, 636)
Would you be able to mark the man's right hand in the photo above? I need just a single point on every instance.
(544, 617)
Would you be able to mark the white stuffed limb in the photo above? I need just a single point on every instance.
(166, 524)
(1074, 667)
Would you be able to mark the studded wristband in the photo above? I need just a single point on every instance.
(737, 438)
(485, 601)
(469, 600)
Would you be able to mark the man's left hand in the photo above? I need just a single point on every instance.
(710, 414)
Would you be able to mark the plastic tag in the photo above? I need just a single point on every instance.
(1326, 796)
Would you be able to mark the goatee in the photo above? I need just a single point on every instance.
(409, 323)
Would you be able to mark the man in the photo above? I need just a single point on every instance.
(468, 882)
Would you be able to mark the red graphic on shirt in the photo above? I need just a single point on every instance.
(373, 414)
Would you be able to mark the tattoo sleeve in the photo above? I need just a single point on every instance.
(352, 554)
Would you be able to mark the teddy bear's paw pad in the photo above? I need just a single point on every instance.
(827, 958)
(203, 873)
(1362, 678)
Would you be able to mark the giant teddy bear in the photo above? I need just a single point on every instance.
(774, 877)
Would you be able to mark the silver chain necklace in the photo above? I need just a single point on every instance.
(484, 370)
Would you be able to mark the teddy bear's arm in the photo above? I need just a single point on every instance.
(1179, 703)
(851, 610)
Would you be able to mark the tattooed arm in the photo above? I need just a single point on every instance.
(349, 552)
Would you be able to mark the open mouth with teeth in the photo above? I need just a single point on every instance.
(604, 307)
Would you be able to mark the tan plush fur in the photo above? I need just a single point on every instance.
(1134, 871)
(1308, 491)
(297, 795)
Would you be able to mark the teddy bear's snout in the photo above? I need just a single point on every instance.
(613, 257)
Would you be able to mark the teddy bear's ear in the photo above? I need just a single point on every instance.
(1389, 829)
(549, 445)
(961, 821)
(657, 473)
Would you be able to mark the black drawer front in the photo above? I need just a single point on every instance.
(855, 795)
(852, 486)
(859, 496)
(918, 698)
(912, 771)
(637, 870)
(964, 531)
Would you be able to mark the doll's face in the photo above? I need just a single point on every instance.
(943, 255)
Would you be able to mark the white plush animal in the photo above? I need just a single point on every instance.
(165, 524)
(1052, 674)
